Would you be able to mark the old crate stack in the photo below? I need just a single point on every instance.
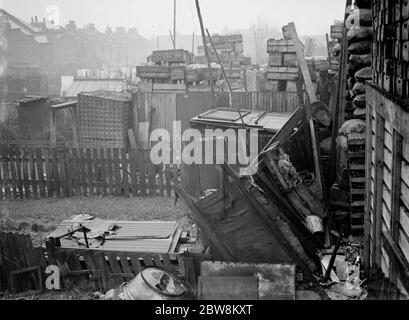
(391, 46)
(283, 72)
(165, 67)
(230, 50)
(103, 119)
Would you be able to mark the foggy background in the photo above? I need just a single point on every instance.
(257, 20)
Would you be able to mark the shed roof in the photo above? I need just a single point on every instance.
(230, 118)
(91, 85)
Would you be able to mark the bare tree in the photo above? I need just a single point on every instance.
(262, 30)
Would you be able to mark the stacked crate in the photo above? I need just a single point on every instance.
(103, 119)
(283, 73)
(166, 66)
(356, 170)
(390, 52)
(230, 50)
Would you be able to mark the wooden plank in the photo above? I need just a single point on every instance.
(151, 176)
(405, 172)
(167, 180)
(210, 233)
(147, 260)
(63, 165)
(388, 158)
(277, 283)
(125, 264)
(55, 173)
(5, 169)
(111, 179)
(395, 196)
(48, 174)
(228, 288)
(136, 264)
(83, 160)
(404, 220)
(103, 172)
(405, 194)
(161, 185)
(115, 268)
(117, 172)
(133, 165)
(25, 176)
(40, 173)
(96, 171)
(142, 171)
(19, 179)
(76, 178)
(90, 174)
(379, 153)
(125, 172)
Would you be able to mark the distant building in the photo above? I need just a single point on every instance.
(54, 51)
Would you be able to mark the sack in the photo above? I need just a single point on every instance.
(362, 47)
(352, 126)
(360, 101)
(364, 74)
(360, 34)
(359, 61)
(359, 18)
(359, 88)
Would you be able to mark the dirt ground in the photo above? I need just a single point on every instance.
(40, 217)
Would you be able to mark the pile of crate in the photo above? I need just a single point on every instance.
(356, 170)
(166, 66)
(283, 73)
(391, 46)
(104, 119)
(230, 50)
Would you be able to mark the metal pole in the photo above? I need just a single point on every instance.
(205, 48)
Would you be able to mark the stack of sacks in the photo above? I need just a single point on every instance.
(360, 37)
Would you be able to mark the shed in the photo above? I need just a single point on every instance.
(33, 117)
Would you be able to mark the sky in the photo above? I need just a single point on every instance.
(155, 17)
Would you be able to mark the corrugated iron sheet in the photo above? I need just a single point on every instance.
(158, 236)
(78, 86)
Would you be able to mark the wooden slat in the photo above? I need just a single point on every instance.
(111, 179)
(55, 173)
(33, 177)
(142, 172)
(83, 172)
(40, 172)
(90, 174)
(115, 268)
(95, 167)
(48, 164)
(103, 172)
(117, 172)
(125, 172)
(76, 178)
(134, 168)
(136, 264)
(125, 263)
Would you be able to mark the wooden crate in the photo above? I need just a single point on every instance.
(387, 189)
(280, 46)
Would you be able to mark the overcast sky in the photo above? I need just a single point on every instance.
(155, 17)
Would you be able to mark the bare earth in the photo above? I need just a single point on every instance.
(39, 217)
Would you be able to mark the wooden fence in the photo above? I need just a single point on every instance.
(387, 190)
(37, 173)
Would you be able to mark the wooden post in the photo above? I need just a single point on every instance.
(75, 135)
(312, 98)
(206, 49)
(366, 258)
(379, 163)
(395, 195)
(53, 128)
